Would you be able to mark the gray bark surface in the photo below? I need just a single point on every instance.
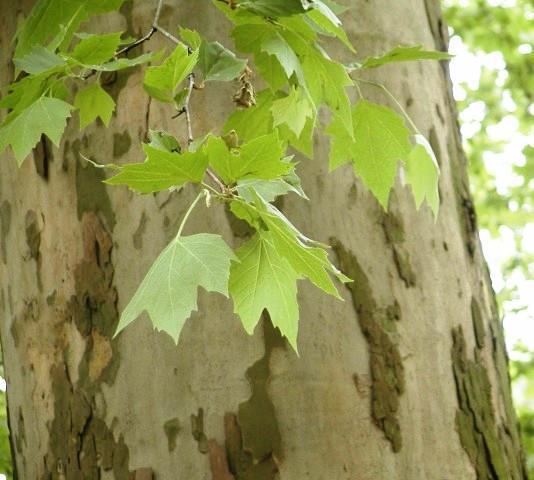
(406, 379)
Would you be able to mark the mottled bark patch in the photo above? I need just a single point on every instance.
(253, 443)
(478, 323)
(487, 441)
(394, 231)
(91, 193)
(197, 430)
(172, 429)
(378, 327)
(121, 144)
(138, 234)
(81, 444)
(33, 241)
(256, 416)
(5, 226)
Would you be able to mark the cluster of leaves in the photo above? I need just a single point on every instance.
(247, 165)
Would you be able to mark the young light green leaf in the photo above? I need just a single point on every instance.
(170, 289)
(404, 54)
(162, 170)
(381, 141)
(96, 49)
(162, 82)
(292, 110)
(38, 60)
(262, 279)
(260, 158)
(217, 63)
(422, 173)
(46, 116)
(93, 101)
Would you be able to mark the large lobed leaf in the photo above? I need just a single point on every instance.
(170, 289)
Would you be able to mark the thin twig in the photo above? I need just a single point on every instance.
(187, 108)
(139, 41)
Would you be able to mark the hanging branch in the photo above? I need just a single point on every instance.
(191, 85)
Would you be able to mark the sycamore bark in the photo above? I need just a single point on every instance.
(405, 379)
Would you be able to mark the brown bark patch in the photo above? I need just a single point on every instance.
(378, 327)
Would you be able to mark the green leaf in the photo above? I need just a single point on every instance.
(328, 23)
(260, 158)
(93, 101)
(310, 262)
(404, 54)
(326, 82)
(191, 38)
(48, 18)
(341, 143)
(269, 190)
(292, 110)
(122, 63)
(164, 141)
(381, 140)
(279, 48)
(270, 70)
(217, 63)
(262, 279)
(96, 49)
(39, 59)
(252, 122)
(275, 8)
(422, 173)
(162, 170)
(46, 116)
(170, 289)
(162, 82)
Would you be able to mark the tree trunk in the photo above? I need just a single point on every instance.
(406, 379)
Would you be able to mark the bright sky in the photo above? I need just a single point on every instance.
(466, 68)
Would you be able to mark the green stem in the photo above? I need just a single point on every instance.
(188, 213)
(390, 95)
